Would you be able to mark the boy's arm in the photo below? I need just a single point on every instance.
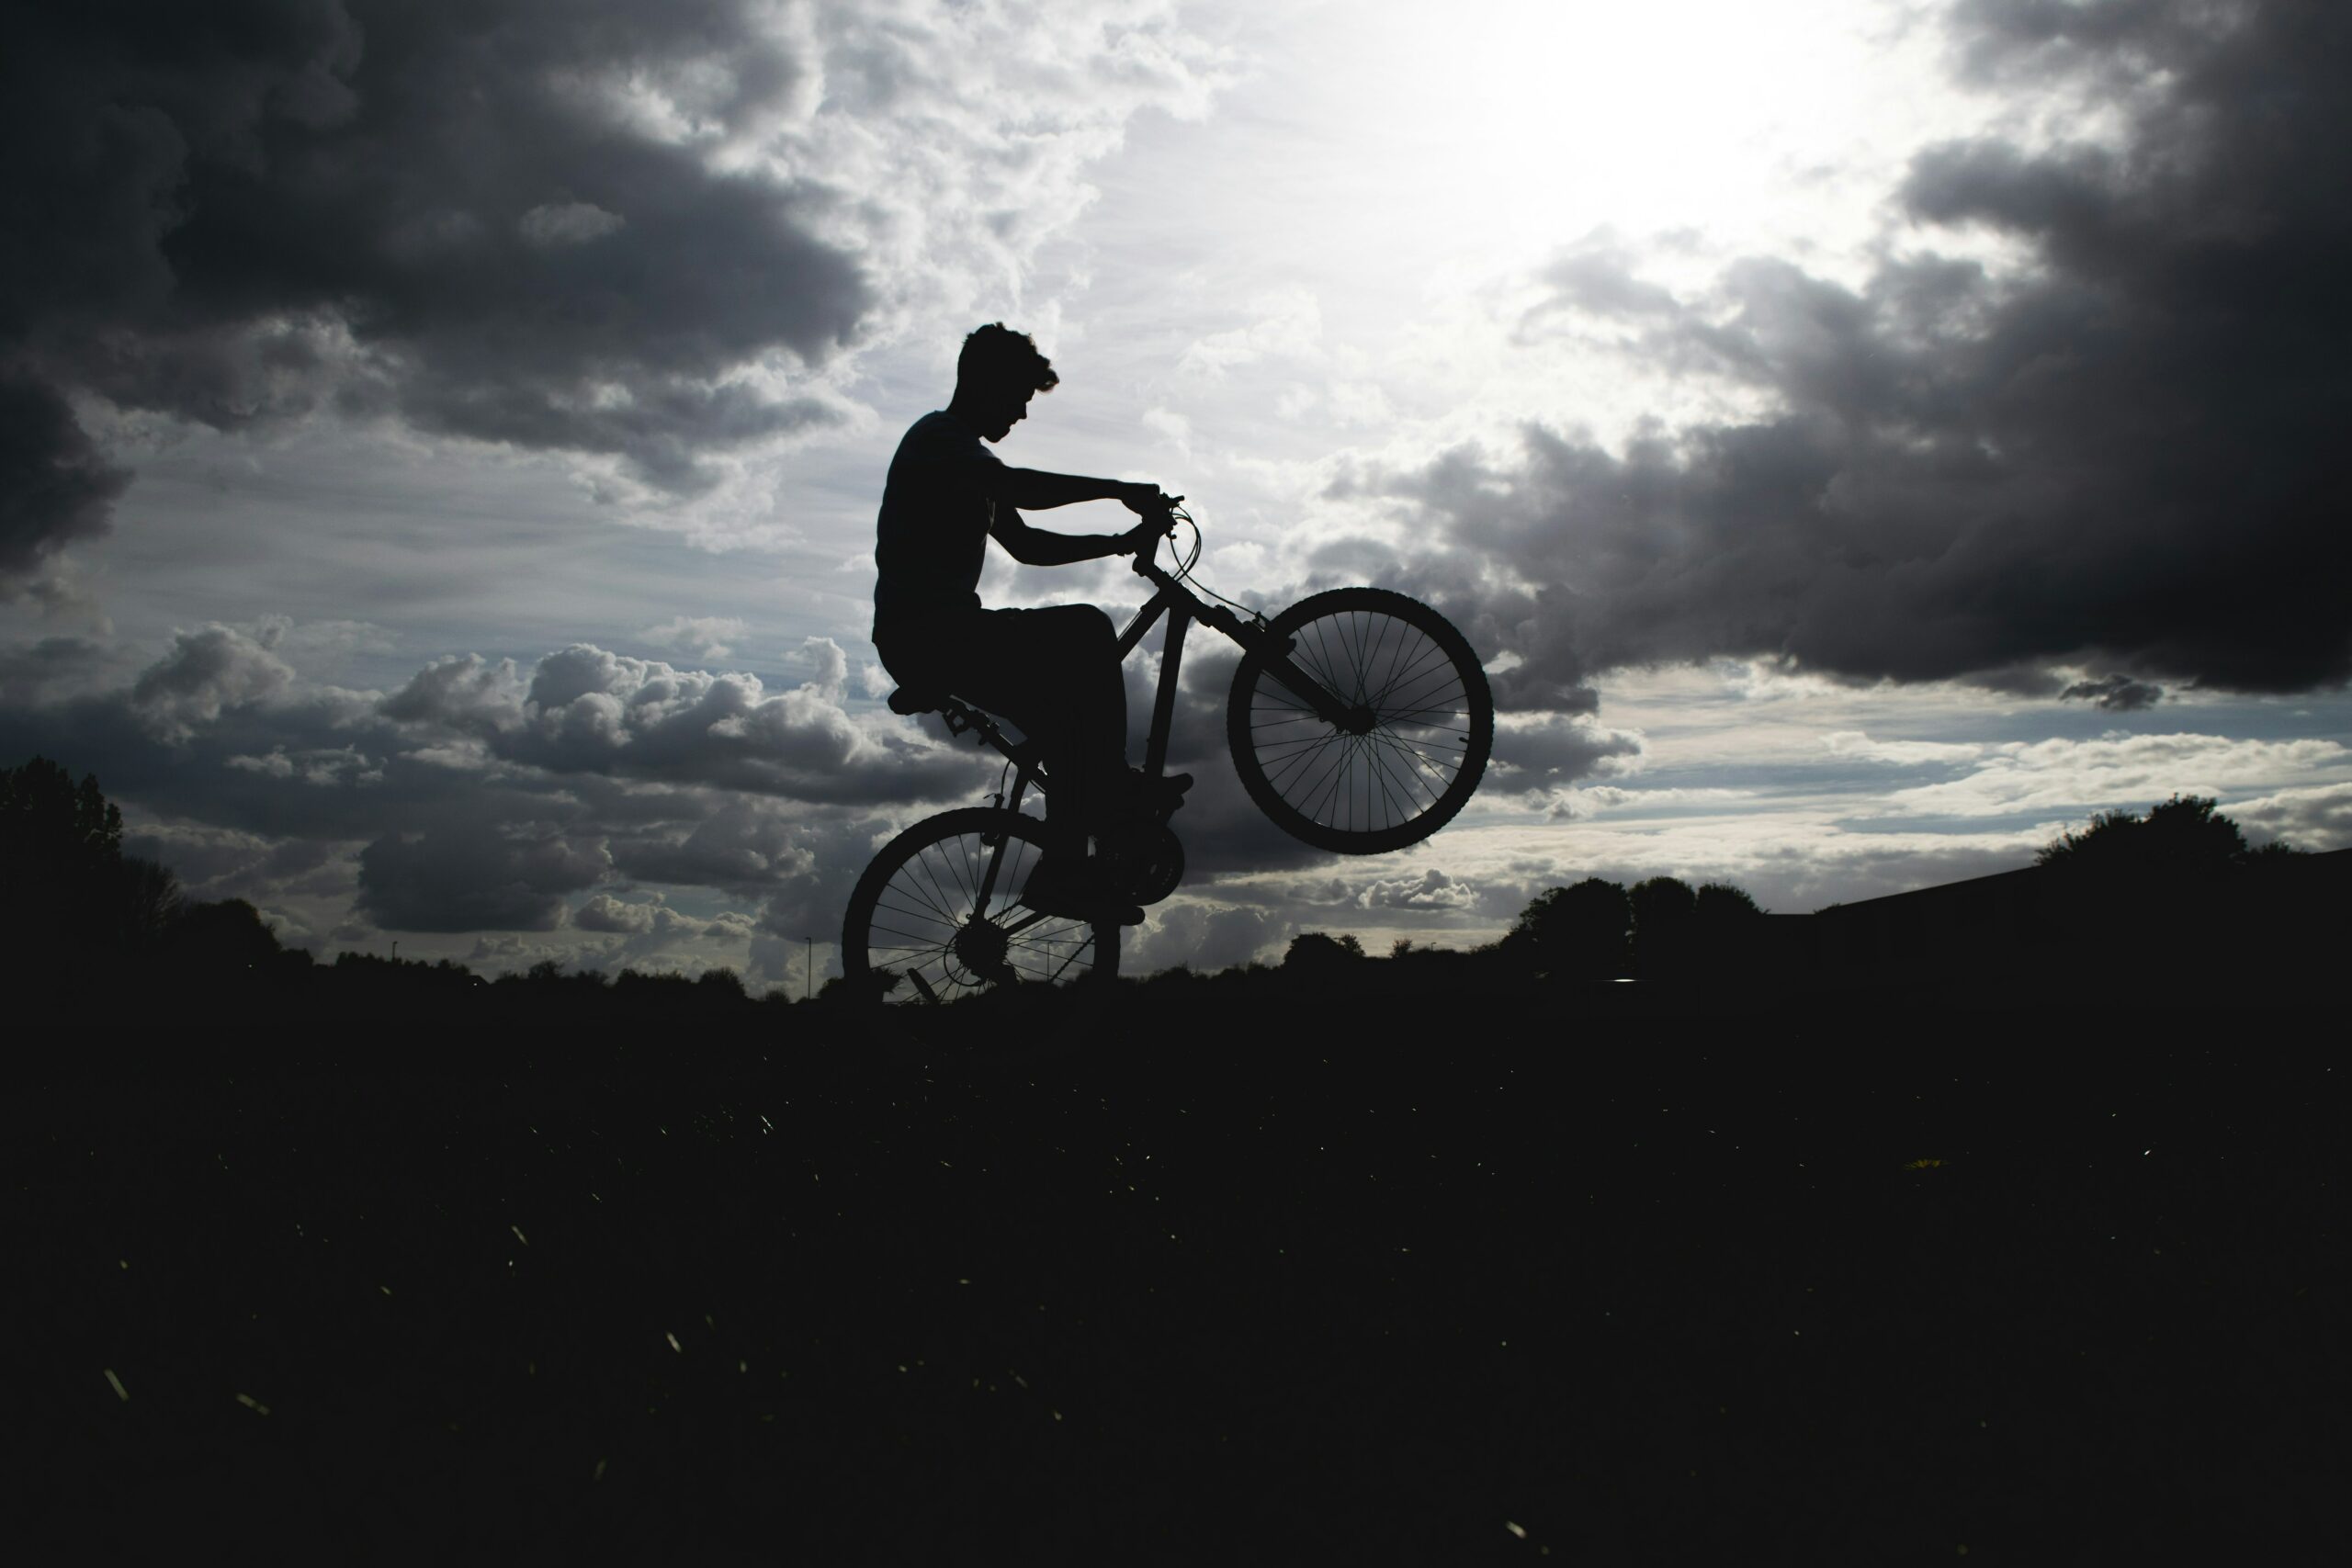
(1041, 547)
(1037, 490)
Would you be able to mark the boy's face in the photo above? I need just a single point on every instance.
(1001, 408)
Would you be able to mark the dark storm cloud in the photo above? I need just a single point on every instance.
(223, 862)
(2123, 459)
(1551, 751)
(54, 486)
(476, 877)
(2117, 693)
(239, 212)
(51, 667)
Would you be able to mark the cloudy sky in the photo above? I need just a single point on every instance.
(439, 441)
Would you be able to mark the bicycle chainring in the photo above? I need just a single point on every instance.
(1147, 865)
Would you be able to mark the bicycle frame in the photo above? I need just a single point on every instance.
(1182, 607)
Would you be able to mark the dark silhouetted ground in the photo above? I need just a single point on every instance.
(1598, 1272)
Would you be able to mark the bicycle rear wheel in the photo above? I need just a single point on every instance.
(937, 914)
(1424, 723)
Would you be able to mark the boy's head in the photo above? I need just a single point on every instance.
(995, 376)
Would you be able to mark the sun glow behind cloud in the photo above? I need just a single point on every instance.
(1522, 125)
(1404, 175)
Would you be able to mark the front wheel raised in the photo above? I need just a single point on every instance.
(938, 915)
(1421, 726)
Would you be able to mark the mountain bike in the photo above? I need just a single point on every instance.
(1358, 720)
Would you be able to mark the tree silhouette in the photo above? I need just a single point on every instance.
(148, 903)
(77, 904)
(51, 829)
(1666, 919)
(1578, 932)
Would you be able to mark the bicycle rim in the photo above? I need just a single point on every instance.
(1433, 723)
(937, 914)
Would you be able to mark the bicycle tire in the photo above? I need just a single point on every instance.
(908, 936)
(1433, 723)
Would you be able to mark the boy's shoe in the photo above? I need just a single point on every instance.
(1083, 894)
(1155, 799)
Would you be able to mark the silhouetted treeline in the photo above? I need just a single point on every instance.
(111, 938)
(97, 938)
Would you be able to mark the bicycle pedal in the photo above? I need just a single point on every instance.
(1157, 799)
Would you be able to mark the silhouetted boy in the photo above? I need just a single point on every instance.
(1054, 672)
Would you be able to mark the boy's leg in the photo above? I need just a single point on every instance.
(1054, 674)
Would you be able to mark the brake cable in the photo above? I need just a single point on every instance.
(1183, 570)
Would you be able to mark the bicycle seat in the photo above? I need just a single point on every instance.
(912, 700)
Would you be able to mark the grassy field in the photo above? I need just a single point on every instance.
(1397, 1279)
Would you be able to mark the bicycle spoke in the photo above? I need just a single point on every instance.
(1300, 765)
(1406, 782)
(947, 903)
(920, 944)
(913, 888)
(1344, 632)
(1283, 749)
(1338, 776)
(1063, 933)
(1077, 953)
(1432, 660)
(1404, 644)
(1300, 762)
(1360, 780)
(917, 917)
(1326, 674)
(1021, 927)
(1389, 739)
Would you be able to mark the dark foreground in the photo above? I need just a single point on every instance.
(1396, 1280)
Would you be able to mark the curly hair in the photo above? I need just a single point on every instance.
(997, 355)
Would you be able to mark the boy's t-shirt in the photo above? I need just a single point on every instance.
(932, 537)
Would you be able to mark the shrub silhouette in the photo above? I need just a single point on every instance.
(221, 938)
(1721, 907)
(1316, 953)
(2184, 839)
(2186, 865)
